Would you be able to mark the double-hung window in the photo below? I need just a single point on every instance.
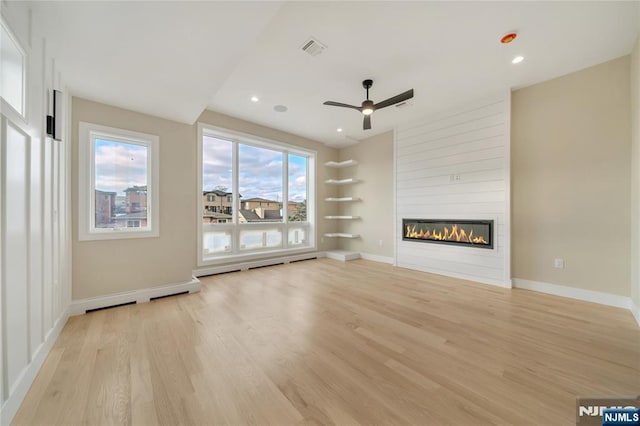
(118, 183)
(256, 197)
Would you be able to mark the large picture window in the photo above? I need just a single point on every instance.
(255, 196)
(118, 183)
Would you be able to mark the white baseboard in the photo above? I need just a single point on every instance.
(575, 293)
(80, 306)
(480, 280)
(635, 310)
(377, 258)
(243, 266)
(24, 382)
(342, 255)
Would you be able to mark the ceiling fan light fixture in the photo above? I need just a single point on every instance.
(368, 106)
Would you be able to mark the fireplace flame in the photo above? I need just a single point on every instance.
(457, 234)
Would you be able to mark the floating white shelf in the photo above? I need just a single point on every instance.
(342, 217)
(346, 163)
(341, 181)
(341, 235)
(342, 199)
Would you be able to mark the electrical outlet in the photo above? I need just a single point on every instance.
(380, 243)
(558, 263)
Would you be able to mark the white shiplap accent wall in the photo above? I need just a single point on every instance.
(471, 142)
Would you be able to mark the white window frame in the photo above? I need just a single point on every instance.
(6, 106)
(88, 132)
(234, 227)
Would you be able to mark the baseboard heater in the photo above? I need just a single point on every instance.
(168, 295)
(88, 311)
(266, 266)
(303, 260)
(220, 273)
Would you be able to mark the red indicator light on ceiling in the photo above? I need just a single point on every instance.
(508, 38)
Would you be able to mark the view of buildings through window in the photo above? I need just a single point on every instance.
(260, 183)
(120, 184)
(272, 192)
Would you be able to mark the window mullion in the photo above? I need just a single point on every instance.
(235, 161)
(285, 199)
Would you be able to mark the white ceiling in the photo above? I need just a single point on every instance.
(173, 59)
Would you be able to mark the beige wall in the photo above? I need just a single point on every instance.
(111, 266)
(324, 154)
(635, 173)
(570, 174)
(375, 169)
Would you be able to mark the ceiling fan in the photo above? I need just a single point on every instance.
(368, 106)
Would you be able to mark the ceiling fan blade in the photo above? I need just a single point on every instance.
(395, 100)
(366, 125)
(340, 104)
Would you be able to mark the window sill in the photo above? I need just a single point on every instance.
(117, 235)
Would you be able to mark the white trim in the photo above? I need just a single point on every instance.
(635, 310)
(86, 182)
(79, 307)
(396, 225)
(497, 283)
(3, 191)
(342, 255)
(24, 382)
(243, 266)
(251, 139)
(507, 196)
(6, 106)
(377, 258)
(574, 293)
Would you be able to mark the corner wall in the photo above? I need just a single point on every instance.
(105, 267)
(375, 187)
(635, 178)
(570, 176)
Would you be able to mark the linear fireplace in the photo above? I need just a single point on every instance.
(476, 233)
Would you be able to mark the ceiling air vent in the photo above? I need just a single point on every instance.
(313, 47)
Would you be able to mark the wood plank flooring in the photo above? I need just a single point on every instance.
(326, 342)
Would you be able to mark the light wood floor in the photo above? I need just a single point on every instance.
(326, 342)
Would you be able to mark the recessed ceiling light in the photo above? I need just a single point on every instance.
(338, 129)
(517, 59)
(254, 99)
(280, 108)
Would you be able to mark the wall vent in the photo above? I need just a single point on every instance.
(313, 47)
(167, 295)
(88, 311)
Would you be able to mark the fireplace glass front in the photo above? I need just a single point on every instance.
(476, 233)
